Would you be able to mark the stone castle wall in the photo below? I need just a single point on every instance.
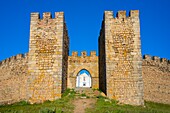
(123, 57)
(47, 70)
(77, 63)
(13, 79)
(156, 77)
(47, 63)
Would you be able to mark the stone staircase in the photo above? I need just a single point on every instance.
(86, 92)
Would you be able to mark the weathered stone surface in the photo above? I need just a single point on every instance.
(47, 70)
(13, 79)
(156, 76)
(48, 54)
(120, 61)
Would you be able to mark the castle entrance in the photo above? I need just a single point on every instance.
(83, 79)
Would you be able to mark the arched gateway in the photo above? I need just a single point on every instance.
(83, 70)
(83, 79)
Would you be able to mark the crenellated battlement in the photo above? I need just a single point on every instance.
(74, 53)
(121, 14)
(155, 59)
(162, 63)
(83, 58)
(35, 16)
(134, 13)
(93, 53)
(164, 60)
(46, 15)
(147, 57)
(83, 54)
(13, 59)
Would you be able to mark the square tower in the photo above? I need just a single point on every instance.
(48, 55)
(120, 60)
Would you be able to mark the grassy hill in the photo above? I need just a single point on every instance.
(101, 105)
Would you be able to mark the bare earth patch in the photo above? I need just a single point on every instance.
(81, 104)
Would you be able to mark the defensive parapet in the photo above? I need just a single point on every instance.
(46, 15)
(155, 59)
(74, 54)
(122, 14)
(83, 54)
(162, 63)
(83, 57)
(13, 59)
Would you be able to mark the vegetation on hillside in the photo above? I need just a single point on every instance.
(104, 105)
(62, 105)
(65, 105)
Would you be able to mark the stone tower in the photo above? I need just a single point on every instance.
(48, 55)
(120, 61)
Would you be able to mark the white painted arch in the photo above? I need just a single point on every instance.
(84, 79)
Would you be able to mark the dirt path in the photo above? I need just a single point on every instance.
(82, 104)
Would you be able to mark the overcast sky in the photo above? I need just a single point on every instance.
(83, 19)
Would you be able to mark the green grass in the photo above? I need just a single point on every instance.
(83, 95)
(65, 105)
(104, 105)
(62, 105)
